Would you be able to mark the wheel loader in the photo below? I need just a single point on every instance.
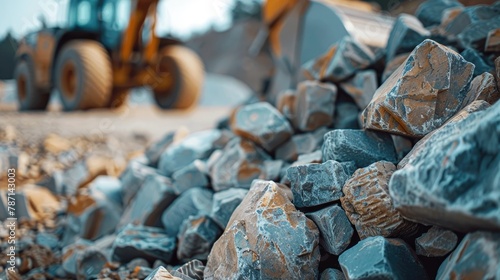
(106, 48)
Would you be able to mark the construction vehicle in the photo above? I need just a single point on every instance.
(107, 48)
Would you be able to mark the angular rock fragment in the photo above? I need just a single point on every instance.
(154, 151)
(316, 184)
(266, 238)
(436, 242)
(361, 87)
(273, 169)
(381, 258)
(262, 124)
(406, 34)
(132, 179)
(346, 116)
(476, 257)
(89, 263)
(191, 176)
(66, 182)
(196, 201)
(161, 273)
(193, 269)
(438, 186)
(402, 145)
(493, 41)
(240, 163)
(143, 242)
(422, 94)
(393, 65)
(430, 11)
(314, 105)
(483, 87)
(332, 274)
(48, 240)
(195, 146)
(299, 144)
(72, 253)
(110, 186)
(474, 34)
(361, 146)
(369, 206)
(286, 104)
(154, 196)
(314, 157)
(224, 204)
(196, 237)
(334, 227)
(478, 60)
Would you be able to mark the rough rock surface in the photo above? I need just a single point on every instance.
(316, 184)
(314, 105)
(484, 87)
(266, 238)
(476, 58)
(437, 186)
(332, 274)
(334, 227)
(224, 204)
(407, 33)
(422, 94)
(161, 273)
(240, 163)
(493, 41)
(132, 179)
(381, 258)
(143, 242)
(346, 116)
(436, 242)
(362, 147)
(361, 87)
(297, 145)
(195, 201)
(429, 12)
(476, 257)
(286, 104)
(191, 176)
(262, 124)
(369, 206)
(196, 237)
(392, 65)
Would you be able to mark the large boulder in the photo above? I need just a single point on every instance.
(452, 178)
(424, 92)
(266, 238)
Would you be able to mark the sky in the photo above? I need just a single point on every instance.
(181, 17)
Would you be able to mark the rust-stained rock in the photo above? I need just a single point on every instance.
(424, 92)
(196, 237)
(361, 87)
(497, 71)
(493, 41)
(483, 87)
(316, 184)
(476, 257)
(241, 162)
(263, 124)
(437, 186)
(266, 238)
(406, 34)
(436, 242)
(314, 105)
(334, 227)
(364, 147)
(430, 11)
(31, 202)
(286, 104)
(369, 206)
(154, 196)
(393, 65)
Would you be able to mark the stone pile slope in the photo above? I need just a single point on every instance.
(382, 164)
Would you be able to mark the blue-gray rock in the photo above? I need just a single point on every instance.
(346, 116)
(266, 238)
(285, 103)
(406, 34)
(381, 258)
(316, 184)
(263, 124)
(369, 206)
(436, 242)
(273, 169)
(148, 243)
(476, 257)
(297, 145)
(476, 58)
(484, 87)
(132, 179)
(315, 105)
(364, 147)
(72, 253)
(193, 269)
(361, 87)
(191, 176)
(154, 196)
(334, 227)
(422, 94)
(196, 237)
(110, 186)
(332, 274)
(474, 34)
(224, 204)
(66, 182)
(438, 186)
(154, 151)
(430, 11)
(47, 239)
(195, 201)
(198, 145)
(469, 16)
(241, 162)
(90, 263)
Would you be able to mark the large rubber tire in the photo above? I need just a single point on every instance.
(84, 76)
(187, 74)
(29, 95)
